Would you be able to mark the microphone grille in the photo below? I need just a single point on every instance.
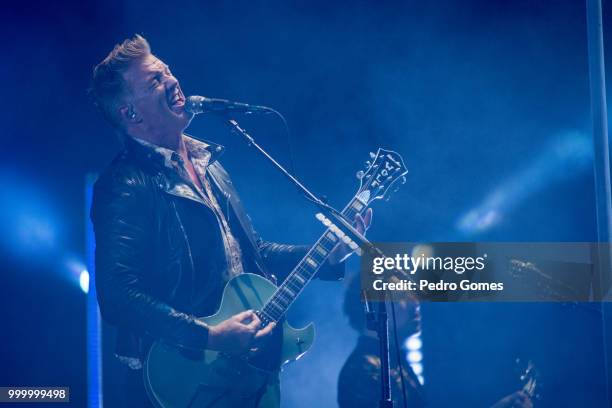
(195, 104)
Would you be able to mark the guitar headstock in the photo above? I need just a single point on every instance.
(385, 170)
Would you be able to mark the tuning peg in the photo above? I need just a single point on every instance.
(403, 179)
(372, 155)
(368, 163)
(360, 174)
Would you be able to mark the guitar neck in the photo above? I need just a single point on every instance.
(302, 274)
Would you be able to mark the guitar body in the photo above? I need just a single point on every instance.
(177, 377)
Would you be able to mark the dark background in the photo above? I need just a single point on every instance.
(487, 101)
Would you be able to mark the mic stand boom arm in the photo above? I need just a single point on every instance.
(377, 320)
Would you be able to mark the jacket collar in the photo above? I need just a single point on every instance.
(163, 164)
(157, 156)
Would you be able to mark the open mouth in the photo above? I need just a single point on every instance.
(176, 100)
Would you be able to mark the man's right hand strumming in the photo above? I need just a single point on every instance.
(238, 334)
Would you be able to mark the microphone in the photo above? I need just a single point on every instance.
(200, 104)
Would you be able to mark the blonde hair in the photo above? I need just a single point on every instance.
(107, 83)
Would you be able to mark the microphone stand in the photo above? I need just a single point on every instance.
(377, 320)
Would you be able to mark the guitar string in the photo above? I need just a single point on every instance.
(286, 301)
(279, 302)
(324, 243)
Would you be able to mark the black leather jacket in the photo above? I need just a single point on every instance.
(159, 253)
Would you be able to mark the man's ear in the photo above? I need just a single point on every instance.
(128, 114)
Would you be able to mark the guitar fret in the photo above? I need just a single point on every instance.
(357, 205)
(269, 309)
(306, 273)
(311, 262)
(313, 256)
(277, 308)
(319, 260)
(280, 308)
(329, 244)
(330, 236)
(299, 281)
(296, 291)
(294, 284)
(278, 302)
(281, 295)
(320, 250)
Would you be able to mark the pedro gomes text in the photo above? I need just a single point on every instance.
(412, 264)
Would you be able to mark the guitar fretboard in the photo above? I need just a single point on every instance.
(288, 291)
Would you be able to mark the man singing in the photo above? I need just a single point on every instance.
(170, 229)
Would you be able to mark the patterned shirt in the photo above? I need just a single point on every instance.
(200, 157)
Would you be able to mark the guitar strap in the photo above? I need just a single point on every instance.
(223, 187)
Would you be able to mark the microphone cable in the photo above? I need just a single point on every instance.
(287, 137)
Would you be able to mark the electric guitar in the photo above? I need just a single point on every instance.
(177, 377)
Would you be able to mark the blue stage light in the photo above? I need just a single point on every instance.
(414, 343)
(29, 227)
(84, 281)
(76, 272)
(415, 356)
(566, 156)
